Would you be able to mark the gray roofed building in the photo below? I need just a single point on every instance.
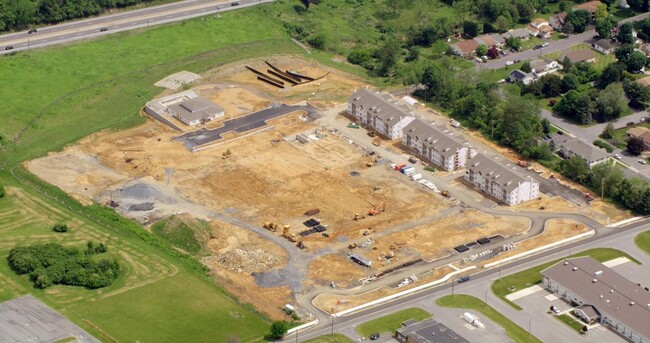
(517, 33)
(437, 144)
(196, 110)
(381, 111)
(587, 313)
(604, 46)
(428, 331)
(519, 76)
(497, 178)
(582, 55)
(621, 304)
(589, 153)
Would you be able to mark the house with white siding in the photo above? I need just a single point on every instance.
(380, 111)
(438, 145)
(496, 177)
(602, 295)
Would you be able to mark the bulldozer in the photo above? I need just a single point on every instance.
(273, 227)
(373, 160)
(378, 209)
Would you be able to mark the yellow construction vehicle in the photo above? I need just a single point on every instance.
(286, 234)
(372, 161)
(270, 226)
(358, 216)
(445, 194)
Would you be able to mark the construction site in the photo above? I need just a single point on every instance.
(296, 207)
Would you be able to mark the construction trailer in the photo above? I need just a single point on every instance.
(361, 260)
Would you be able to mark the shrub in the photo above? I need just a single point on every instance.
(60, 228)
(278, 329)
(604, 145)
(2, 192)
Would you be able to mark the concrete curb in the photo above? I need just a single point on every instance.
(302, 327)
(401, 294)
(625, 222)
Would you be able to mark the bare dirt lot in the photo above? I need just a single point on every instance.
(554, 230)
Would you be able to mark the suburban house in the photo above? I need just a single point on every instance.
(496, 177)
(604, 46)
(380, 111)
(464, 48)
(645, 48)
(490, 40)
(540, 28)
(541, 67)
(589, 6)
(582, 55)
(618, 303)
(427, 331)
(518, 75)
(575, 147)
(437, 144)
(517, 33)
(641, 132)
(557, 21)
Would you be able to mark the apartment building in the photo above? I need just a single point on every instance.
(380, 111)
(496, 177)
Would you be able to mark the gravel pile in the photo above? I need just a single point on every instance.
(244, 260)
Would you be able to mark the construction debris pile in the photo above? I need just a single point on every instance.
(282, 78)
(244, 259)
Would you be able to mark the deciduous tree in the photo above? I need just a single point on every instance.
(635, 146)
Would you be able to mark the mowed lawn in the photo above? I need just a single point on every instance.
(532, 276)
(643, 241)
(81, 88)
(391, 322)
(158, 298)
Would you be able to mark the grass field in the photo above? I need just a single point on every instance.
(570, 322)
(336, 338)
(159, 297)
(463, 301)
(643, 241)
(532, 276)
(391, 322)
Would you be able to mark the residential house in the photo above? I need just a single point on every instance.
(640, 132)
(438, 145)
(464, 48)
(427, 331)
(590, 154)
(557, 21)
(604, 46)
(519, 76)
(589, 6)
(380, 111)
(517, 33)
(490, 40)
(582, 55)
(541, 67)
(540, 28)
(496, 177)
(620, 304)
(645, 48)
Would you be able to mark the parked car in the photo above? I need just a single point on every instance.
(509, 63)
(103, 29)
(32, 31)
(234, 4)
(642, 161)
(374, 336)
(545, 44)
(516, 61)
(537, 47)
(504, 52)
(630, 123)
(555, 309)
(9, 47)
(617, 156)
(478, 60)
(462, 279)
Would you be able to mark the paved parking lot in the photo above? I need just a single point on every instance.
(452, 318)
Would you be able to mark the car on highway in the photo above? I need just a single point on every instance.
(374, 336)
(463, 278)
(9, 47)
(103, 29)
(617, 156)
(32, 31)
(509, 63)
(642, 161)
(234, 4)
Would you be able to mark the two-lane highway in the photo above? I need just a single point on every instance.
(123, 21)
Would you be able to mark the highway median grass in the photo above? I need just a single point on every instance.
(527, 278)
(463, 301)
(391, 322)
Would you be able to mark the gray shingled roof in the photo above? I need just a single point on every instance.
(196, 108)
(382, 105)
(604, 43)
(436, 137)
(430, 331)
(496, 170)
(584, 150)
(611, 294)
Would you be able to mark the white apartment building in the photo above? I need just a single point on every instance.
(380, 111)
(496, 177)
(437, 144)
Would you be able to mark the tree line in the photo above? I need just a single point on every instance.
(20, 14)
(54, 264)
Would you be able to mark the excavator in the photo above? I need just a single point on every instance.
(378, 209)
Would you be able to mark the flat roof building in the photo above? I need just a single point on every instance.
(195, 111)
(428, 331)
(618, 302)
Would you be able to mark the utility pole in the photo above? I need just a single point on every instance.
(332, 325)
(486, 291)
(452, 287)
(298, 330)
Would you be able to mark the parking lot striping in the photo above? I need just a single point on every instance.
(616, 262)
(524, 292)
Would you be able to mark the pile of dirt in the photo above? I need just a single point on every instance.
(184, 232)
(245, 259)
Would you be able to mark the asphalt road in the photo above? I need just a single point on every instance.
(480, 283)
(242, 124)
(123, 21)
(559, 45)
